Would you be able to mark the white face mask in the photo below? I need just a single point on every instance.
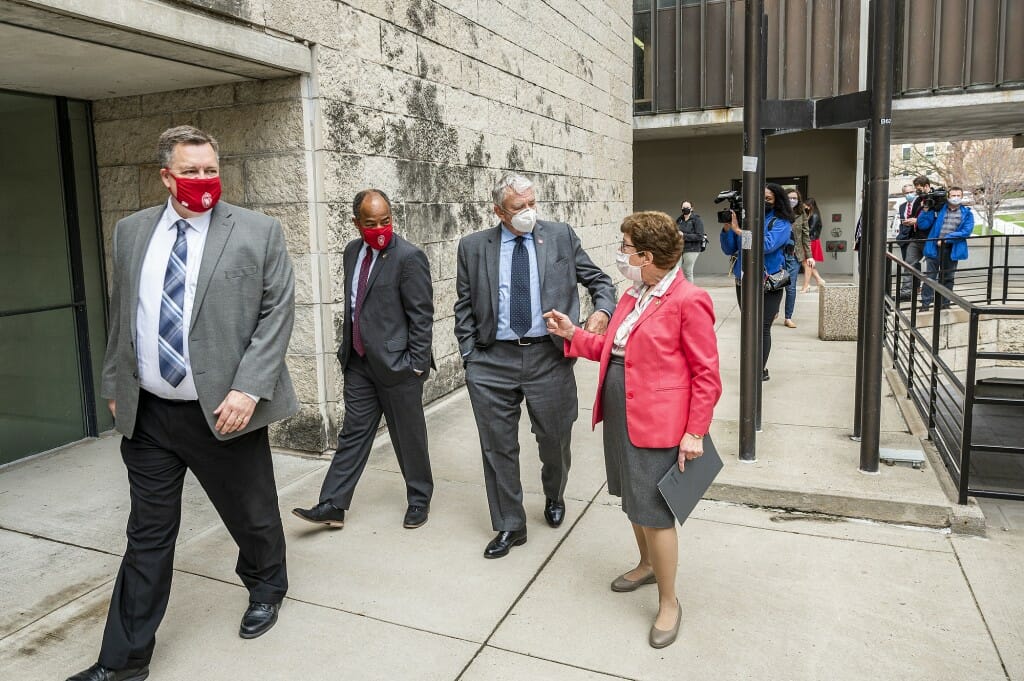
(630, 272)
(524, 220)
(792, 203)
(955, 200)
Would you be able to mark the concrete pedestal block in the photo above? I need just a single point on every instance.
(837, 312)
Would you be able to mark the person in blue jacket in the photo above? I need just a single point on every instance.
(778, 226)
(948, 229)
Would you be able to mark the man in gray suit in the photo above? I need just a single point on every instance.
(201, 314)
(507, 277)
(385, 354)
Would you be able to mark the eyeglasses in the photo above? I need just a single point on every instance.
(623, 246)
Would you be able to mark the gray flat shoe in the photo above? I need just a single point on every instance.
(622, 585)
(660, 638)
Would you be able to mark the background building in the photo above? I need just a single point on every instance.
(959, 75)
(311, 100)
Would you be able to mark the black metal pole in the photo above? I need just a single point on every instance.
(862, 261)
(753, 228)
(862, 287)
(882, 46)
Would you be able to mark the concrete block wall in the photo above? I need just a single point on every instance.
(431, 101)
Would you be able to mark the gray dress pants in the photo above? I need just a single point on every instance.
(499, 377)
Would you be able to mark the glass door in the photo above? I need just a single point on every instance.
(47, 386)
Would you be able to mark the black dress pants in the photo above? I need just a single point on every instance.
(772, 303)
(366, 399)
(237, 475)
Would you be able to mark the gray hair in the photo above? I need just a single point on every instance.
(515, 183)
(182, 134)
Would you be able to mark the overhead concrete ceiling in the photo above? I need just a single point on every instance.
(976, 115)
(44, 63)
(94, 50)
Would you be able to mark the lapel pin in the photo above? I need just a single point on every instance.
(540, 241)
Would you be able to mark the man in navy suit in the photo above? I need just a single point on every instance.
(385, 355)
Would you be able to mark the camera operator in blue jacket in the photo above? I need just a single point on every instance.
(947, 229)
(778, 228)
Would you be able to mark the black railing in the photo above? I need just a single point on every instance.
(962, 361)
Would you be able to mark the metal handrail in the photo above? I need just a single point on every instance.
(944, 395)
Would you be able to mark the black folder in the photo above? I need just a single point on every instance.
(683, 489)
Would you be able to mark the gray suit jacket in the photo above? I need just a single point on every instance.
(241, 318)
(397, 322)
(562, 264)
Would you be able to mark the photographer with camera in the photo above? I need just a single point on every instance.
(778, 228)
(947, 224)
(913, 246)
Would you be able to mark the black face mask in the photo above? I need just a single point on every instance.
(686, 211)
(768, 207)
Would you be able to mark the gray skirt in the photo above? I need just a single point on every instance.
(633, 472)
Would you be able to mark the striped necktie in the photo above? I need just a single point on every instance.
(172, 306)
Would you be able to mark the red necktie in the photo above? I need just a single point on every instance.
(364, 274)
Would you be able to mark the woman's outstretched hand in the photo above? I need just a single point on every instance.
(559, 324)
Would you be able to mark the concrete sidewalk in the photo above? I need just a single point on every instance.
(766, 594)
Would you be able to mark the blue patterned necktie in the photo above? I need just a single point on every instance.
(520, 312)
(172, 306)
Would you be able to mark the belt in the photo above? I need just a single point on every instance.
(165, 399)
(528, 340)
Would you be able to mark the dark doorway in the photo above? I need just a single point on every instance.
(52, 292)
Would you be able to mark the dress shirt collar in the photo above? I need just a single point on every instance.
(200, 223)
(507, 235)
(659, 288)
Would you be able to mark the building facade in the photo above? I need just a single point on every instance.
(311, 100)
(959, 75)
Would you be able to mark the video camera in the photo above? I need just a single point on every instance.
(735, 199)
(934, 199)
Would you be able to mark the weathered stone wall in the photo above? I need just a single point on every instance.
(430, 101)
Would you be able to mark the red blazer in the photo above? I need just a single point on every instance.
(672, 379)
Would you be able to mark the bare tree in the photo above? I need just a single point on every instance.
(991, 168)
(997, 170)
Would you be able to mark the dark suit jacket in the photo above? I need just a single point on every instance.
(397, 323)
(241, 318)
(562, 264)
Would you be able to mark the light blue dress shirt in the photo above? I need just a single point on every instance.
(508, 243)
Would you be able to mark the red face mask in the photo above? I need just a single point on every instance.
(377, 237)
(197, 194)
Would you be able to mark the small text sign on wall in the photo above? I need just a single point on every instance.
(837, 217)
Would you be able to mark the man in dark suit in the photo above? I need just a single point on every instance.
(507, 277)
(385, 354)
(201, 312)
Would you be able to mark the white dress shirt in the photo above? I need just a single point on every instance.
(151, 288)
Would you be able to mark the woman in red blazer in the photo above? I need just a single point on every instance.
(658, 387)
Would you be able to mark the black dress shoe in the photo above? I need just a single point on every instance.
(258, 619)
(324, 513)
(415, 516)
(554, 512)
(505, 540)
(98, 672)
(764, 375)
